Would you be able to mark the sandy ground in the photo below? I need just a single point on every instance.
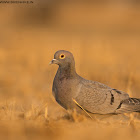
(109, 55)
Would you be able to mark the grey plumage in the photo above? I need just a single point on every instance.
(93, 96)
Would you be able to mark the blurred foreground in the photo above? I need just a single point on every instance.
(105, 41)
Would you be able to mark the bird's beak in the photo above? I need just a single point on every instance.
(54, 61)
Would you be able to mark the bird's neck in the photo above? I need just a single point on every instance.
(67, 72)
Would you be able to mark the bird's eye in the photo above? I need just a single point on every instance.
(62, 56)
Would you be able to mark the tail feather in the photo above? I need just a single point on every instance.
(132, 101)
(129, 105)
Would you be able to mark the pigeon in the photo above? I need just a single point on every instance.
(72, 91)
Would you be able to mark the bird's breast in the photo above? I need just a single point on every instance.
(64, 91)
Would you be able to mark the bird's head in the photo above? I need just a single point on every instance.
(63, 58)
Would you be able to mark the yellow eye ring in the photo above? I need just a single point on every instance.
(62, 56)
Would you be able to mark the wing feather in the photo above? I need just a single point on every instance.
(98, 98)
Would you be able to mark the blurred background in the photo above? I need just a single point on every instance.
(104, 37)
